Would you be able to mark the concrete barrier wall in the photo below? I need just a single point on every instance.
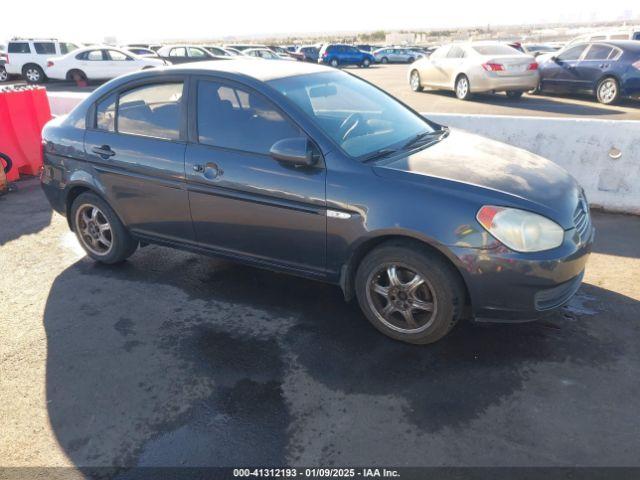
(603, 155)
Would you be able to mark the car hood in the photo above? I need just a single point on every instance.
(516, 176)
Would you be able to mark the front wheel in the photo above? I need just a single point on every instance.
(414, 81)
(409, 294)
(4, 76)
(384, 60)
(463, 88)
(99, 230)
(334, 63)
(608, 91)
(366, 62)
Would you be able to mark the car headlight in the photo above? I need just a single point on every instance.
(520, 230)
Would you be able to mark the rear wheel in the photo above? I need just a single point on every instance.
(414, 81)
(411, 60)
(608, 91)
(4, 76)
(366, 62)
(77, 76)
(33, 73)
(384, 60)
(334, 63)
(513, 95)
(100, 231)
(409, 294)
(463, 88)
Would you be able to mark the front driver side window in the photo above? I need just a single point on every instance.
(573, 53)
(239, 119)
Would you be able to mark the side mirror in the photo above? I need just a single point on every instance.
(294, 151)
(555, 59)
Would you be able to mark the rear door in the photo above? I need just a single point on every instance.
(597, 61)
(243, 202)
(136, 142)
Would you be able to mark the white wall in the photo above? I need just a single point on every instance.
(581, 146)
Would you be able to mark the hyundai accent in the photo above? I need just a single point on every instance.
(308, 170)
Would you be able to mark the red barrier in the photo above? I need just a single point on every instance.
(23, 113)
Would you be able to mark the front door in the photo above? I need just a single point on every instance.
(136, 145)
(243, 202)
(560, 73)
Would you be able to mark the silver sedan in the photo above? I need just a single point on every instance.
(476, 67)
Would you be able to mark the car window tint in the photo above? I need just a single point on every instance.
(151, 111)
(615, 54)
(196, 52)
(117, 56)
(178, 52)
(94, 55)
(19, 47)
(67, 47)
(455, 52)
(572, 54)
(45, 48)
(598, 52)
(106, 114)
(239, 119)
(440, 52)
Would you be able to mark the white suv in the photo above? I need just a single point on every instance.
(28, 57)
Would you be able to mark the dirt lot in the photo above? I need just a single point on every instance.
(176, 359)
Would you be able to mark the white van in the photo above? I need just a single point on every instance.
(28, 56)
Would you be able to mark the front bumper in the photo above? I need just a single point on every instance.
(505, 286)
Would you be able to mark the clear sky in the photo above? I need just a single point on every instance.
(131, 20)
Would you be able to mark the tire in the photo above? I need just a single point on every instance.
(411, 60)
(384, 60)
(414, 81)
(366, 63)
(33, 73)
(77, 76)
(514, 95)
(461, 92)
(608, 91)
(7, 162)
(93, 239)
(441, 290)
(4, 76)
(334, 63)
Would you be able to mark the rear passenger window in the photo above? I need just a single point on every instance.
(151, 111)
(106, 114)
(234, 118)
(19, 47)
(178, 52)
(45, 48)
(598, 52)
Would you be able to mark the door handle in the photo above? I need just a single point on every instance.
(604, 65)
(210, 170)
(104, 151)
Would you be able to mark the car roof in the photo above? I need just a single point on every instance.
(263, 71)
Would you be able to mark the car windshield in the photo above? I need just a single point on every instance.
(361, 119)
(495, 50)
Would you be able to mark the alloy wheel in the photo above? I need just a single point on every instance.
(608, 91)
(462, 87)
(3, 75)
(94, 229)
(415, 81)
(33, 75)
(401, 298)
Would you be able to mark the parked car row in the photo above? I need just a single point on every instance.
(609, 70)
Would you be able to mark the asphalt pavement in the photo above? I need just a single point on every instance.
(176, 359)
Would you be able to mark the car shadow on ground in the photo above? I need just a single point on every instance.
(174, 359)
(15, 223)
(538, 103)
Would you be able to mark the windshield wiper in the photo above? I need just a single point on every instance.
(383, 152)
(420, 136)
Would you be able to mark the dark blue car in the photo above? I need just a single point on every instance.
(308, 170)
(338, 55)
(610, 70)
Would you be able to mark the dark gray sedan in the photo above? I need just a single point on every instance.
(311, 171)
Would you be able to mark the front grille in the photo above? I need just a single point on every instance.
(582, 219)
